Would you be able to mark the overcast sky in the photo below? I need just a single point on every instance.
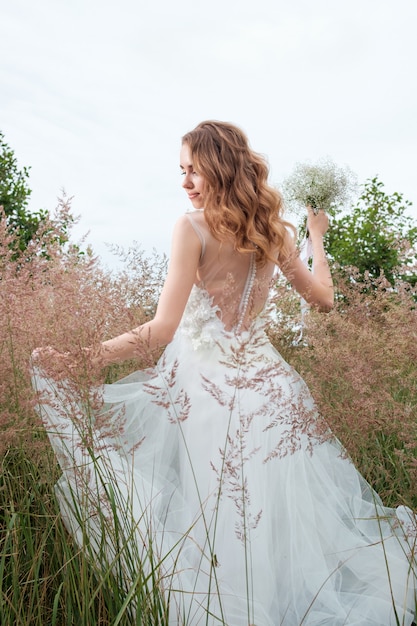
(95, 96)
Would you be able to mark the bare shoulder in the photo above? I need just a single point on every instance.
(198, 222)
(184, 235)
(288, 251)
(196, 216)
(183, 224)
(190, 217)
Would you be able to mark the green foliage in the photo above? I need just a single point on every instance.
(14, 196)
(376, 236)
(23, 225)
(14, 190)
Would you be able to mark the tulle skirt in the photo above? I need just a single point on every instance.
(218, 482)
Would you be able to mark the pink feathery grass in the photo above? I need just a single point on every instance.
(54, 295)
(360, 363)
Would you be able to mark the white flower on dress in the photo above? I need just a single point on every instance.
(200, 321)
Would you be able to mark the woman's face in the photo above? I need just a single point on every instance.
(193, 181)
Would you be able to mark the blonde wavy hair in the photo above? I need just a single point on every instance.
(239, 202)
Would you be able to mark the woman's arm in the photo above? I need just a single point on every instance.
(183, 264)
(315, 287)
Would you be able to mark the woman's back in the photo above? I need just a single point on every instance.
(236, 283)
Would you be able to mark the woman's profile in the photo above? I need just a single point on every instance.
(214, 466)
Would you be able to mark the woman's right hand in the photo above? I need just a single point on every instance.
(317, 222)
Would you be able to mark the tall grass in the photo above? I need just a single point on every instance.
(360, 362)
(55, 296)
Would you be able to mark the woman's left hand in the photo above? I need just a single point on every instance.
(56, 364)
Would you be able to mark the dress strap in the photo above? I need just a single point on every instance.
(199, 232)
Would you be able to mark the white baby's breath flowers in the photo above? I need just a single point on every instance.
(322, 185)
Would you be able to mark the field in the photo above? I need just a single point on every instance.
(360, 362)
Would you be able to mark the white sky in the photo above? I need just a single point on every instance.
(95, 96)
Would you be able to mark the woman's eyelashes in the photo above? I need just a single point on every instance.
(193, 172)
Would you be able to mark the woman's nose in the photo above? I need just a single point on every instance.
(188, 183)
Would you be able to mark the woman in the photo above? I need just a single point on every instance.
(214, 466)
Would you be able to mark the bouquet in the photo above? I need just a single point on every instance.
(323, 185)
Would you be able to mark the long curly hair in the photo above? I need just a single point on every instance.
(239, 202)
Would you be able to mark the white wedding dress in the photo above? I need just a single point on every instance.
(215, 473)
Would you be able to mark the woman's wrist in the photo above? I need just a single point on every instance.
(95, 355)
(316, 235)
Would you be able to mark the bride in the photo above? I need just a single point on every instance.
(211, 475)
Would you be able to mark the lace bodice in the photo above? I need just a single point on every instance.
(230, 287)
(203, 326)
(200, 321)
